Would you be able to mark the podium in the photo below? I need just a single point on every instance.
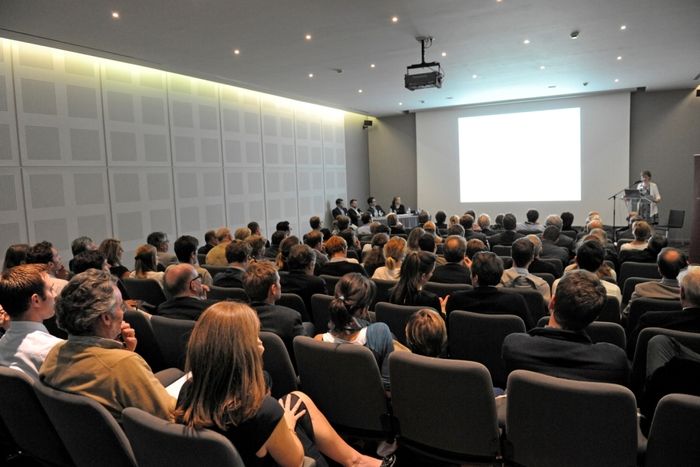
(638, 202)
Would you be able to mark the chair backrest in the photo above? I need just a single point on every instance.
(319, 310)
(382, 294)
(600, 331)
(553, 422)
(396, 317)
(676, 217)
(628, 288)
(157, 442)
(674, 438)
(27, 421)
(330, 282)
(611, 311)
(227, 293)
(479, 337)
(634, 269)
(214, 270)
(639, 362)
(569, 233)
(502, 250)
(295, 302)
(441, 289)
(327, 370)
(534, 300)
(549, 278)
(556, 262)
(642, 305)
(507, 261)
(172, 336)
(90, 433)
(277, 363)
(201, 258)
(459, 424)
(147, 290)
(147, 345)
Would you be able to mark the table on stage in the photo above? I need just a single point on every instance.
(407, 220)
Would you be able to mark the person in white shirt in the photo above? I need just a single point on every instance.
(27, 296)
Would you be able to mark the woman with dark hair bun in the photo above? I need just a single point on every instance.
(15, 255)
(416, 270)
(349, 320)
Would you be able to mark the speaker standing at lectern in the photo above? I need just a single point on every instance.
(648, 206)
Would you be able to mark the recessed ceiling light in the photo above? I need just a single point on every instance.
(526, 41)
(617, 80)
(115, 14)
(475, 76)
(311, 75)
(236, 52)
(394, 19)
(360, 91)
(372, 65)
(307, 37)
(542, 67)
(444, 54)
(619, 57)
(623, 27)
(400, 103)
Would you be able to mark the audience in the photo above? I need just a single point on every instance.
(145, 265)
(550, 245)
(89, 259)
(339, 264)
(426, 333)
(563, 348)
(655, 244)
(160, 241)
(374, 255)
(210, 241)
(186, 251)
(45, 253)
(509, 235)
(238, 255)
(531, 225)
(187, 292)
(394, 253)
(27, 296)
(467, 221)
(283, 252)
(15, 255)
(300, 279)
(589, 257)
(537, 265)
(79, 245)
(98, 359)
(217, 255)
(641, 231)
(455, 270)
(112, 250)
(522, 252)
(416, 270)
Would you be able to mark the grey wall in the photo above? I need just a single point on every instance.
(356, 159)
(664, 136)
(392, 160)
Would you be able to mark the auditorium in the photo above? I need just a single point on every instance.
(373, 173)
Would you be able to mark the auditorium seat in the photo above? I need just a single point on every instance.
(227, 293)
(277, 363)
(396, 317)
(674, 438)
(172, 336)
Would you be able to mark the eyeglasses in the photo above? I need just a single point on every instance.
(198, 276)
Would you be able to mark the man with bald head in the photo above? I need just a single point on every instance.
(670, 262)
(455, 270)
(188, 295)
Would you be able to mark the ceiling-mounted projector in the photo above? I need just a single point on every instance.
(423, 75)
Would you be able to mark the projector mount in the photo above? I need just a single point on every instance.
(430, 78)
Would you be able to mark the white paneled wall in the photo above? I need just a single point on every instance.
(100, 148)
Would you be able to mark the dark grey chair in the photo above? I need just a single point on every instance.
(628, 288)
(27, 421)
(441, 289)
(458, 426)
(501, 250)
(277, 363)
(227, 293)
(172, 336)
(549, 278)
(396, 317)
(157, 442)
(600, 331)
(146, 290)
(147, 345)
(382, 294)
(479, 337)
(554, 422)
(611, 311)
(634, 269)
(90, 433)
(676, 217)
(201, 258)
(330, 282)
(319, 310)
(674, 438)
(556, 262)
(295, 302)
(325, 368)
(534, 300)
(214, 270)
(640, 306)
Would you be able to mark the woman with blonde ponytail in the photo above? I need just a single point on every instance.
(394, 253)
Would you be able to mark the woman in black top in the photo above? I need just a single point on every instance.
(416, 270)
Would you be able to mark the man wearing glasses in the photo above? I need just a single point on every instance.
(188, 294)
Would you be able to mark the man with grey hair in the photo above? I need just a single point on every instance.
(98, 359)
(537, 265)
(484, 222)
(455, 271)
(564, 240)
(550, 248)
(188, 295)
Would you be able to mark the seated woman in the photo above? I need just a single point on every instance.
(426, 333)
(374, 256)
(227, 393)
(349, 323)
(112, 250)
(146, 264)
(394, 253)
(396, 206)
(15, 255)
(416, 271)
(413, 239)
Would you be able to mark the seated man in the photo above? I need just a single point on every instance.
(687, 319)
(45, 253)
(550, 245)
(562, 348)
(98, 359)
(467, 221)
(589, 257)
(537, 265)
(487, 269)
(238, 256)
(365, 228)
(509, 235)
(670, 262)
(27, 297)
(217, 255)
(300, 279)
(262, 284)
(523, 252)
(655, 244)
(186, 251)
(455, 270)
(188, 294)
(160, 241)
(210, 241)
(339, 264)
(531, 225)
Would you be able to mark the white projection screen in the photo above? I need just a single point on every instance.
(555, 155)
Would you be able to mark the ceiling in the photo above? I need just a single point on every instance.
(659, 48)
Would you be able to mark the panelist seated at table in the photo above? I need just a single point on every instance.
(373, 208)
(397, 207)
